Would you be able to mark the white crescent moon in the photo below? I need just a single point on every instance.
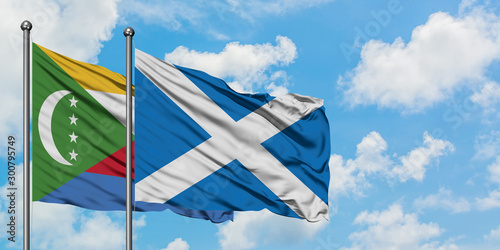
(45, 125)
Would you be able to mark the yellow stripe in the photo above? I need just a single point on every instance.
(89, 76)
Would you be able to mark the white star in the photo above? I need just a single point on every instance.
(73, 155)
(73, 119)
(73, 102)
(73, 137)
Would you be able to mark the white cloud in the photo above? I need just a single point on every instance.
(57, 25)
(276, 90)
(252, 229)
(350, 176)
(488, 96)
(177, 244)
(494, 169)
(393, 229)
(247, 74)
(369, 158)
(493, 199)
(487, 146)
(442, 55)
(443, 200)
(279, 84)
(345, 178)
(414, 163)
(490, 202)
(140, 222)
(493, 236)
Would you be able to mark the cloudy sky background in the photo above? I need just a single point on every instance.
(411, 90)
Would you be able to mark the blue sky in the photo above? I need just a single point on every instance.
(411, 91)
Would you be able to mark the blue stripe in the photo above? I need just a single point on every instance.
(107, 193)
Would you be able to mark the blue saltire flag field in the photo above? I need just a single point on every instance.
(79, 137)
(202, 146)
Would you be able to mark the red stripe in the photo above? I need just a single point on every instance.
(114, 164)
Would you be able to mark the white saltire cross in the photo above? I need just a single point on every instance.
(229, 141)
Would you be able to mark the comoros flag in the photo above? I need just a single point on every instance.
(200, 145)
(79, 137)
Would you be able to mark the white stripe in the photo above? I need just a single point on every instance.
(230, 140)
(114, 104)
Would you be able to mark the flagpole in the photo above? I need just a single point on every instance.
(129, 33)
(26, 28)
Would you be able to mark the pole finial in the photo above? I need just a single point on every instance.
(26, 25)
(128, 32)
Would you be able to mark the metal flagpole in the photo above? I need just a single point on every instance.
(26, 27)
(129, 33)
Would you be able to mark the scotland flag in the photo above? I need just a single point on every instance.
(202, 146)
